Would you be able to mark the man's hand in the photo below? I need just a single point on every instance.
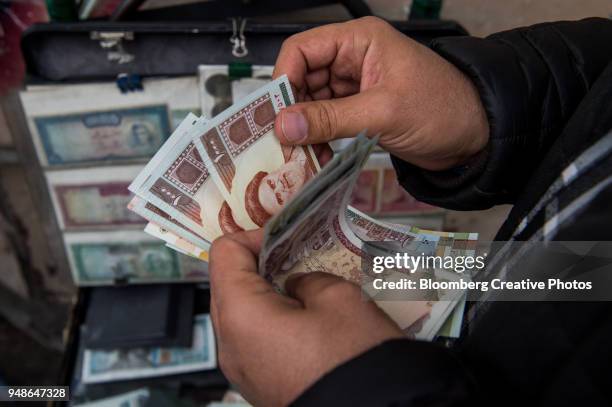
(364, 74)
(273, 347)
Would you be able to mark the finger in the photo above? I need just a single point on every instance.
(315, 290)
(233, 266)
(324, 120)
(342, 45)
(317, 80)
(343, 87)
(307, 51)
(251, 239)
(322, 94)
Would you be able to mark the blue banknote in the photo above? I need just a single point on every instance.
(111, 135)
(120, 364)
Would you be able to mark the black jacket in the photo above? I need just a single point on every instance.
(547, 91)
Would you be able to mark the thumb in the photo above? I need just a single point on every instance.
(325, 120)
(324, 290)
(233, 265)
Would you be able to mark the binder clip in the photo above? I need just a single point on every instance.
(129, 82)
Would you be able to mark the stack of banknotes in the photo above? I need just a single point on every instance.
(230, 173)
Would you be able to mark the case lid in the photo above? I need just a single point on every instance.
(89, 51)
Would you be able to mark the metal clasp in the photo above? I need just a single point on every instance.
(238, 40)
(113, 42)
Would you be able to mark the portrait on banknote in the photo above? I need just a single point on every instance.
(257, 174)
(110, 135)
(268, 192)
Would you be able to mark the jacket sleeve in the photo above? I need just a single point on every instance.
(530, 81)
(399, 372)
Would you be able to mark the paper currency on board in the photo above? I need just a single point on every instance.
(126, 256)
(135, 398)
(112, 365)
(92, 124)
(92, 198)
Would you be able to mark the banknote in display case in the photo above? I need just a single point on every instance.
(94, 197)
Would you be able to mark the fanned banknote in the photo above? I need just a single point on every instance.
(176, 242)
(112, 365)
(452, 326)
(230, 173)
(255, 174)
(166, 222)
(317, 232)
(178, 183)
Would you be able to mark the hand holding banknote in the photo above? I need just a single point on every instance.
(285, 309)
(364, 74)
(274, 346)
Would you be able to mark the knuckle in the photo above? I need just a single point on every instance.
(221, 246)
(374, 22)
(290, 42)
(327, 120)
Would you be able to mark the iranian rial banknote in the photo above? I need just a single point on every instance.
(452, 326)
(86, 124)
(378, 192)
(230, 174)
(102, 258)
(254, 173)
(176, 242)
(122, 364)
(117, 134)
(164, 221)
(93, 197)
(135, 398)
(177, 182)
(316, 231)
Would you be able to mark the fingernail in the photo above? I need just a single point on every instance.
(294, 126)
